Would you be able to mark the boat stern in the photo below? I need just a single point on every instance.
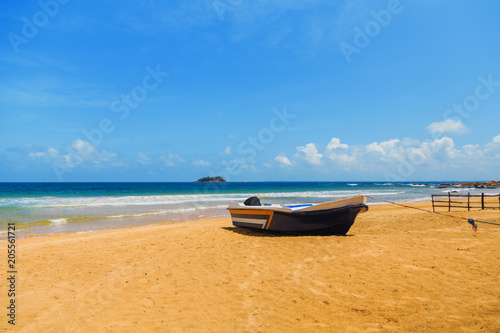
(251, 218)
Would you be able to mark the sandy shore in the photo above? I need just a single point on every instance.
(397, 270)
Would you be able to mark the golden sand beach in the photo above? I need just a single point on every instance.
(397, 270)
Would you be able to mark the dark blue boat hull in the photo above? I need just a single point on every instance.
(335, 221)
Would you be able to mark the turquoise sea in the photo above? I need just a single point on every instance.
(44, 208)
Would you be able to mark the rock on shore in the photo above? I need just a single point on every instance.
(491, 184)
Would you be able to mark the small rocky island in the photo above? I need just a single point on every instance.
(217, 179)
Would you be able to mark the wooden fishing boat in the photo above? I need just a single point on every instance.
(334, 217)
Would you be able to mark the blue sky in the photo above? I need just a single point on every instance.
(250, 90)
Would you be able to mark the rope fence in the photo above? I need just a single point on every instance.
(482, 201)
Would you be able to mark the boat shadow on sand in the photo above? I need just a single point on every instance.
(270, 233)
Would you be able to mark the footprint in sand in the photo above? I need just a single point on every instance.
(148, 303)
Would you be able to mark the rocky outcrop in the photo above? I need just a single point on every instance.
(490, 184)
(217, 179)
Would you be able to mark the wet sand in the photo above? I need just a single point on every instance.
(397, 270)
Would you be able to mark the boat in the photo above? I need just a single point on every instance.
(335, 217)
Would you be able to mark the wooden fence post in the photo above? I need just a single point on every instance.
(482, 200)
(468, 202)
(433, 201)
(449, 201)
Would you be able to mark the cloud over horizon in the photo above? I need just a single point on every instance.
(387, 156)
(448, 126)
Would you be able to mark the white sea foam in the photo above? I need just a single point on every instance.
(59, 221)
(189, 200)
(142, 206)
(456, 190)
(185, 200)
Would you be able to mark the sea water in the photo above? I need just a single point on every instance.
(44, 208)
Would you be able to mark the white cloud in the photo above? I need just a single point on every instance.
(337, 152)
(409, 142)
(201, 163)
(38, 155)
(239, 164)
(335, 143)
(448, 126)
(143, 158)
(496, 139)
(441, 149)
(310, 153)
(106, 156)
(52, 152)
(83, 147)
(382, 157)
(227, 151)
(472, 152)
(389, 149)
(283, 160)
(81, 151)
(344, 160)
(172, 160)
